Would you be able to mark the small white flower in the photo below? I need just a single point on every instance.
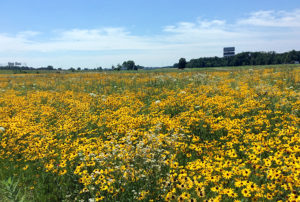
(2, 129)
(157, 101)
(93, 94)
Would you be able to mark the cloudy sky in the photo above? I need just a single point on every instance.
(93, 33)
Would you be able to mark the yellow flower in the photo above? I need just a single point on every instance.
(25, 167)
(246, 172)
(216, 189)
(246, 193)
(62, 172)
(227, 174)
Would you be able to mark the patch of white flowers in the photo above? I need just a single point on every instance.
(93, 94)
(2, 129)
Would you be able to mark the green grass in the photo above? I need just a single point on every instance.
(155, 70)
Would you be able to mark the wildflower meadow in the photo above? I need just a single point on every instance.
(200, 135)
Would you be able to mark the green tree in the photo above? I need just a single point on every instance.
(130, 65)
(182, 63)
(119, 67)
(50, 67)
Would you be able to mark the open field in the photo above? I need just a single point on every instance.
(201, 134)
(231, 68)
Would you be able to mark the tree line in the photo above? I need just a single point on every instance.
(126, 65)
(242, 59)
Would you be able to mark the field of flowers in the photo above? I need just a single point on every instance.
(151, 136)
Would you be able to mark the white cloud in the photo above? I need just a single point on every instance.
(27, 34)
(201, 32)
(261, 31)
(273, 19)
(78, 40)
(13, 43)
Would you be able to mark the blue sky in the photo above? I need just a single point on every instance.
(92, 33)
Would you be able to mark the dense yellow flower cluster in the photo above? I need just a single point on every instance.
(188, 136)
